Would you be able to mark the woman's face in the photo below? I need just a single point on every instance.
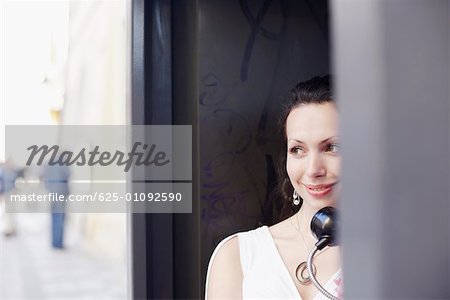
(314, 159)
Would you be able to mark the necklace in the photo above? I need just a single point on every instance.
(301, 272)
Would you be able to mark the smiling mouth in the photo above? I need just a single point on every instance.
(319, 190)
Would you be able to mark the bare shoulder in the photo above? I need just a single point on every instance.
(225, 273)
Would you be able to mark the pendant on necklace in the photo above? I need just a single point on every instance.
(301, 273)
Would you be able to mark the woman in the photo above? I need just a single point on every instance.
(264, 263)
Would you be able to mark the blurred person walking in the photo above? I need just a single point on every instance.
(8, 175)
(56, 179)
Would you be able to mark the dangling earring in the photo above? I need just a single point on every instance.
(295, 198)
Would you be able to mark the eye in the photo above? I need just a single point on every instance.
(333, 148)
(297, 151)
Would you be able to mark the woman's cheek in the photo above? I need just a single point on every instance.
(335, 166)
(294, 170)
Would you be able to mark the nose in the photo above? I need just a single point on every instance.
(316, 166)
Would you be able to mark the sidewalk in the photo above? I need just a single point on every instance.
(31, 269)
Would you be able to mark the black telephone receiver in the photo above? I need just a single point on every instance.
(324, 227)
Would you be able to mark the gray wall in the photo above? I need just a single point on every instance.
(391, 62)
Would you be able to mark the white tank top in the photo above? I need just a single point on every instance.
(264, 274)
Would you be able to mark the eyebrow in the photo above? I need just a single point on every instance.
(322, 142)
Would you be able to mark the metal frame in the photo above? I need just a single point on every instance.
(161, 54)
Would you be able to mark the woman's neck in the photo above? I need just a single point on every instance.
(304, 217)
